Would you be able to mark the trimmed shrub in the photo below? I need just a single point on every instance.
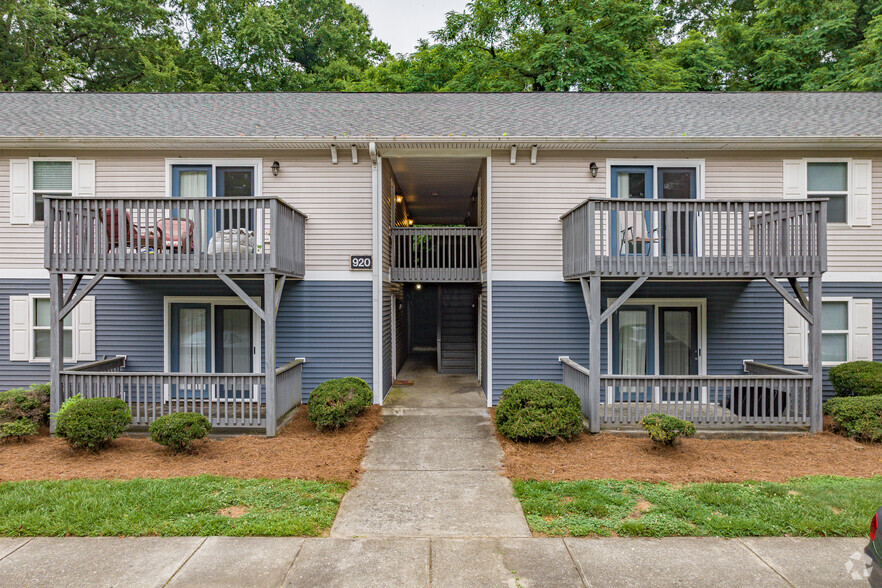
(92, 422)
(666, 429)
(31, 404)
(859, 417)
(536, 410)
(179, 429)
(19, 429)
(336, 403)
(857, 378)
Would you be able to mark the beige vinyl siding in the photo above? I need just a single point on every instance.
(387, 199)
(337, 198)
(528, 199)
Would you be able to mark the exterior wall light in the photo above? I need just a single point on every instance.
(593, 168)
(399, 199)
(419, 286)
(275, 168)
(410, 222)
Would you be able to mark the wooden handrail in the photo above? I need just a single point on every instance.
(110, 363)
(290, 365)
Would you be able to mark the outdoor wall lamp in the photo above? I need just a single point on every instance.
(275, 168)
(399, 199)
(410, 222)
(593, 168)
(419, 286)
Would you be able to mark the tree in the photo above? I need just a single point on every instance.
(270, 46)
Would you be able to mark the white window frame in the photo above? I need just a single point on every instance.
(698, 164)
(213, 301)
(849, 183)
(33, 328)
(699, 303)
(215, 163)
(849, 333)
(74, 181)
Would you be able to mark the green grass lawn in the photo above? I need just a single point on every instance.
(173, 506)
(810, 506)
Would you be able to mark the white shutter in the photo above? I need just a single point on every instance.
(862, 329)
(861, 205)
(795, 342)
(21, 208)
(794, 178)
(19, 328)
(85, 177)
(84, 326)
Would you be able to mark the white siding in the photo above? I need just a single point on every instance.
(528, 199)
(337, 198)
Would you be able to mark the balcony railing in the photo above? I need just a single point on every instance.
(621, 237)
(230, 401)
(169, 236)
(775, 397)
(436, 254)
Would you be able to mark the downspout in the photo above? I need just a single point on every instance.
(377, 281)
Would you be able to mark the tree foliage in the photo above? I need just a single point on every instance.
(492, 45)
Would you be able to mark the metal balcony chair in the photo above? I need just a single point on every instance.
(638, 239)
(134, 236)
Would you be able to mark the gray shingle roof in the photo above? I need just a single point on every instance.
(558, 115)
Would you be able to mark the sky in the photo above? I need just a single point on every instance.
(402, 23)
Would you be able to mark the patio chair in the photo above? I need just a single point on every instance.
(175, 233)
(134, 236)
(638, 238)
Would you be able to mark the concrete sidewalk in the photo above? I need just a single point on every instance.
(527, 562)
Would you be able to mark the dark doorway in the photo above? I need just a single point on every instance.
(442, 318)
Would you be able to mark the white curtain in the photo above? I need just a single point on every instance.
(194, 184)
(678, 342)
(192, 340)
(237, 340)
(632, 342)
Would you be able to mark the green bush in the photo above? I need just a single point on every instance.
(859, 417)
(19, 429)
(857, 378)
(536, 410)
(179, 429)
(93, 422)
(31, 404)
(336, 403)
(666, 429)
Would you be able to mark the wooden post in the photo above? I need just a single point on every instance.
(814, 355)
(269, 325)
(56, 342)
(594, 353)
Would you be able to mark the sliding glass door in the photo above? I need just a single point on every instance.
(190, 345)
(679, 184)
(678, 350)
(633, 349)
(632, 230)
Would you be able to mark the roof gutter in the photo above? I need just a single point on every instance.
(503, 142)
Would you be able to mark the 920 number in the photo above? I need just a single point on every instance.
(360, 262)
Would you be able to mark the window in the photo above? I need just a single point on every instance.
(40, 331)
(30, 326)
(846, 332)
(845, 183)
(50, 178)
(829, 179)
(835, 331)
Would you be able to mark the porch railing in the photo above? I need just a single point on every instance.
(289, 386)
(232, 401)
(436, 254)
(689, 238)
(163, 236)
(710, 401)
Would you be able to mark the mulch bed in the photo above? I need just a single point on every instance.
(610, 455)
(299, 451)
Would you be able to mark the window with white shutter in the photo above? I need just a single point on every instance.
(29, 330)
(846, 332)
(31, 180)
(845, 183)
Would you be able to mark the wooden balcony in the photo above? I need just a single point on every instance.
(174, 236)
(436, 254)
(229, 401)
(695, 238)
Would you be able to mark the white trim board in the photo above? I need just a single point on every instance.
(167, 301)
(257, 163)
(699, 303)
(697, 163)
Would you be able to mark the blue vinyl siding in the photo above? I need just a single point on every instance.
(536, 322)
(328, 323)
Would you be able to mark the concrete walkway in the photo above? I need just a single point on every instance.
(431, 470)
(272, 562)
